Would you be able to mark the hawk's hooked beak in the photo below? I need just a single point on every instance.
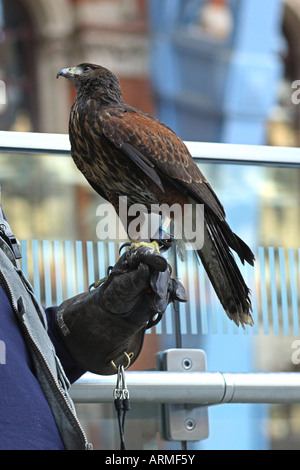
(70, 72)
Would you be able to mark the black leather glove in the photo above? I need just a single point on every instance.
(105, 327)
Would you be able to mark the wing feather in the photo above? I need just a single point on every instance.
(143, 163)
(159, 152)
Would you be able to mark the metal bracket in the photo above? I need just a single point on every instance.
(182, 422)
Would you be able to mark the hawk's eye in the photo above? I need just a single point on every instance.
(87, 68)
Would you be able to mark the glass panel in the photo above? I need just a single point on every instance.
(46, 197)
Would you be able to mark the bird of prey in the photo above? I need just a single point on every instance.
(123, 151)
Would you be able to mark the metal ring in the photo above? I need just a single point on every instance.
(128, 361)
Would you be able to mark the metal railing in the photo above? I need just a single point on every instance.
(201, 388)
(34, 142)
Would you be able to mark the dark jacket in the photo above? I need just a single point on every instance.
(36, 411)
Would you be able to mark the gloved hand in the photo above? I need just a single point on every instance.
(105, 327)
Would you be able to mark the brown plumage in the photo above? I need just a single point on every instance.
(124, 152)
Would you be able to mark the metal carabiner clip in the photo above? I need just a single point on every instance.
(118, 391)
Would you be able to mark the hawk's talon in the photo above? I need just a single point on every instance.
(135, 245)
(164, 243)
(123, 246)
(97, 283)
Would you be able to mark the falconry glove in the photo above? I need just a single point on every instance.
(105, 328)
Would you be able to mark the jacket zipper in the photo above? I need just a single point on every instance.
(49, 371)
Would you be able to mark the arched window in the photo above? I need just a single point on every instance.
(18, 102)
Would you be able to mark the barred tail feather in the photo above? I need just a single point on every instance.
(223, 271)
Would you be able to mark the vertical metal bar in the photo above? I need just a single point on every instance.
(111, 253)
(79, 267)
(90, 262)
(36, 269)
(273, 285)
(58, 272)
(24, 252)
(69, 269)
(47, 273)
(294, 293)
(180, 269)
(101, 260)
(178, 337)
(284, 299)
(212, 309)
(168, 321)
(263, 290)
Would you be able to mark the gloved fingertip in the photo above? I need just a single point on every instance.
(147, 255)
(179, 291)
(141, 277)
(159, 263)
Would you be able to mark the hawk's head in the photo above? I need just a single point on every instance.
(92, 79)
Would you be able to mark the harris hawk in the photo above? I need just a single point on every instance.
(123, 151)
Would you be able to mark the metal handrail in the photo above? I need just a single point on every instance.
(34, 142)
(202, 388)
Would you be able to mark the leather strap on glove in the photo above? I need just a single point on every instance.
(105, 327)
